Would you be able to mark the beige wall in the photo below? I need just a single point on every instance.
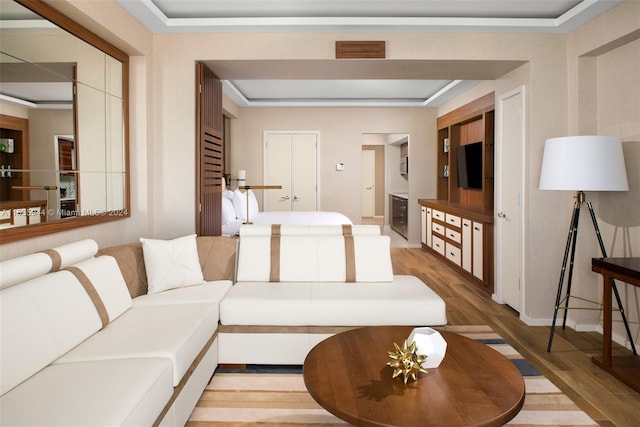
(341, 132)
(163, 130)
(605, 96)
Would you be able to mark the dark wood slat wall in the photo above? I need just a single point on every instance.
(211, 153)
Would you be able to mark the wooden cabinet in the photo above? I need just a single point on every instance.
(471, 123)
(66, 155)
(458, 225)
(463, 237)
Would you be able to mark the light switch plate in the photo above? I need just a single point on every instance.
(339, 166)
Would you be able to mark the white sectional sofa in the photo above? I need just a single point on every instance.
(131, 335)
(297, 285)
(78, 350)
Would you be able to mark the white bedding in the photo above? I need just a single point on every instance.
(292, 218)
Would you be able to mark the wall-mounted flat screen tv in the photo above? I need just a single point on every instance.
(470, 165)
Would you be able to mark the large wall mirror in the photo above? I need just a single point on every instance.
(63, 124)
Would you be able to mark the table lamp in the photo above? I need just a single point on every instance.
(582, 163)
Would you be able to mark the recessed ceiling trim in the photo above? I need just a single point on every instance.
(17, 101)
(155, 19)
(233, 92)
(441, 92)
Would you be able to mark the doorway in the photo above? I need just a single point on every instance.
(372, 186)
(291, 160)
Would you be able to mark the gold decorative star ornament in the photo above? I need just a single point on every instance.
(405, 361)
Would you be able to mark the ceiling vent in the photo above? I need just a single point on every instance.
(360, 49)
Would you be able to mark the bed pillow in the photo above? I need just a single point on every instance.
(254, 208)
(228, 211)
(240, 205)
(171, 263)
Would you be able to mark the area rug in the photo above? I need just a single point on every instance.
(276, 396)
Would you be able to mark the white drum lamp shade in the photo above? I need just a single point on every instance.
(583, 163)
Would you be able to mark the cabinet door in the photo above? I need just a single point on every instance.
(466, 244)
(477, 250)
(429, 227)
(423, 225)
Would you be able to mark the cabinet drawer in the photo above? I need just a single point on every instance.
(452, 253)
(438, 228)
(453, 235)
(438, 245)
(453, 220)
(438, 215)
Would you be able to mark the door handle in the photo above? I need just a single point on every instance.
(284, 198)
(369, 188)
(502, 214)
(296, 198)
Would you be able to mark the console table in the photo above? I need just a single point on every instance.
(625, 368)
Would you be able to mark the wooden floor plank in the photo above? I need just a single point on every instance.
(568, 365)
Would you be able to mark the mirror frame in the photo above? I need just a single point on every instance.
(34, 230)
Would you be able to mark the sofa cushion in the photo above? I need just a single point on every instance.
(41, 320)
(74, 252)
(100, 393)
(306, 230)
(405, 301)
(105, 276)
(314, 258)
(171, 263)
(177, 332)
(131, 262)
(30, 266)
(208, 292)
(24, 268)
(217, 256)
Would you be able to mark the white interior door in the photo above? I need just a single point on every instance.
(509, 197)
(278, 171)
(291, 161)
(368, 183)
(303, 171)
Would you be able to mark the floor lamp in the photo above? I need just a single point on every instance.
(582, 163)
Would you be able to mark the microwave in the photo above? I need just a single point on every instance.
(404, 166)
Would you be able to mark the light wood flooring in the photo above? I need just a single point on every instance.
(568, 365)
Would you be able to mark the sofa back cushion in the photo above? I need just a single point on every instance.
(131, 262)
(21, 269)
(322, 257)
(105, 277)
(217, 255)
(42, 319)
(308, 230)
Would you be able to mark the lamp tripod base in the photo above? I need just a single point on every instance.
(569, 256)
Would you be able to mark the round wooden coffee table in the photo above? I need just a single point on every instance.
(347, 374)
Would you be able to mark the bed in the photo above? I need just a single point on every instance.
(234, 214)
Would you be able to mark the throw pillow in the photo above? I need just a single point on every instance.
(171, 263)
